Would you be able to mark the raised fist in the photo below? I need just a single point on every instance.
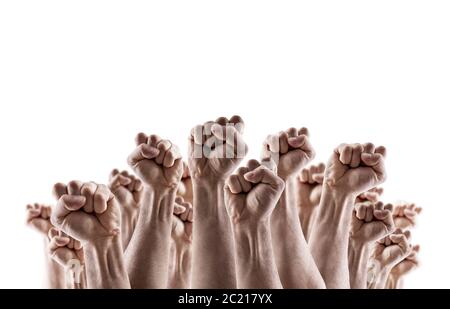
(64, 249)
(356, 168)
(410, 263)
(182, 222)
(405, 215)
(157, 162)
(371, 221)
(129, 193)
(372, 195)
(391, 250)
(216, 148)
(290, 150)
(86, 211)
(310, 185)
(38, 218)
(252, 193)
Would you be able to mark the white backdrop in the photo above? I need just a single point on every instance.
(79, 79)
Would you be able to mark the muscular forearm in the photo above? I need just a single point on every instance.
(295, 263)
(213, 245)
(380, 278)
(358, 254)
(256, 268)
(105, 268)
(329, 238)
(182, 269)
(147, 255)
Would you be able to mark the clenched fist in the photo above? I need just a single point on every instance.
(216, 148)
(38, 218)
(252, 193)
(157, 162)
(290, 150)
(86, 211)
(391, 250)
(356, 168)
(182, 223)
(371, 221)
(405, 215)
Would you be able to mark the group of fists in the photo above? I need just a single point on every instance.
(208, 223)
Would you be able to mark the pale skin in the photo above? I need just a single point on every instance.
(251, 195)
(68, 253)
(157, 163)
(386, 255)
(370, 222)
(89, 213)
(180, 267)
(215, 150)
(291, 150)
(129, 193)
(351, 170)
(185, 186)
(309, 191)
(38, 218)
(405, 215)
(405, 267)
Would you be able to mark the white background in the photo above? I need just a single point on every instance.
(79, 79)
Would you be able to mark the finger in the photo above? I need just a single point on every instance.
(318, 178)
(292, 132)
(356, 155)
(119, 180)
(178, 209)
(303, 131)
(101, 197)
(113, 173)
(222, 121)
(360, 209)
(238, 123)
(153, 140)
(65, 205)
(381, 150)
(234, 185)
(263, 175)
(171, 156)
(252, 164)
(245, 185)
(369, 214)
(163, 146)
(141, 138)
(88, 191)
(345, 153)
(369, 148)
(302, 142)
(197, 135)
(59, 189)
(142, 152)
(304, 175)
(74, 187)
(283, 140)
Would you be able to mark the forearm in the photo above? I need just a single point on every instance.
(358, 253)
(105, 267)
(182, 270)
(147, 254)
(381, 278)
(296, 266)
(213, 245)
(329, 238)
(394, 282)
(256, 267)
(55, 278)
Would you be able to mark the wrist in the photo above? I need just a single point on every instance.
(157, 205)
(209, 201)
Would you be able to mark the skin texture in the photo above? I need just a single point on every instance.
(372, 195)
(405, 267)
(89, 213)
(129, 194)
(68, 253)
(251, 195)
(185, 186)
(290, 151)
(370, 222)
(351, 170)
(386, 255)
(180, 267)
(405, 215)
(309, 191)
(209, 167)
(38, 218)
(157, 163)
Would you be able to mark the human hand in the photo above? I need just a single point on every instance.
(38, 218)
(405, 215)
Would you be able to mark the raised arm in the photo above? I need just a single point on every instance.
(215, 150)
(290, 151)
(89, 213)
(251, 195)
(351, 170)
(158, 164)
(370, 222)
